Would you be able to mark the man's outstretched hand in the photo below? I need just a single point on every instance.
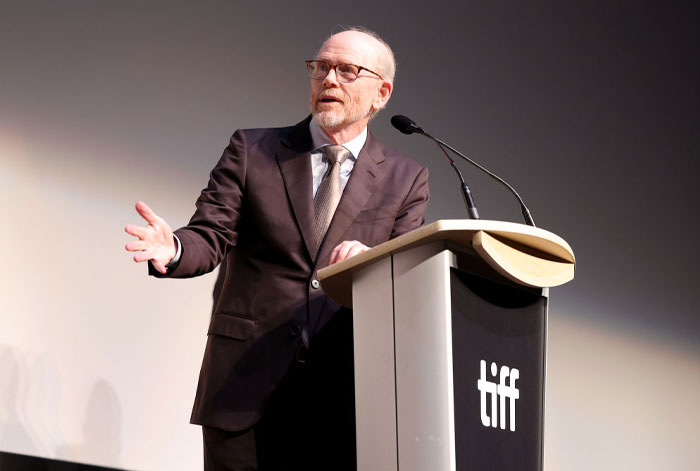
(155, 241)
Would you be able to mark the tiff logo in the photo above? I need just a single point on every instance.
(498, 392)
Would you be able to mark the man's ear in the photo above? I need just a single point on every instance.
(383, 95)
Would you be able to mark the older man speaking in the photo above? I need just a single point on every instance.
(276, 386)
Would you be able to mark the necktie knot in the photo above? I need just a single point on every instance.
(336, 153)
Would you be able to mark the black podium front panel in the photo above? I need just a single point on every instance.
(498, 338)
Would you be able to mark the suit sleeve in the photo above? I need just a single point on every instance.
(212, 228)
(412, 213)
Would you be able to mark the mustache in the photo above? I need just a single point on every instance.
(330, 94)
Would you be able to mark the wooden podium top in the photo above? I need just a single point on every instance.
(523, 254)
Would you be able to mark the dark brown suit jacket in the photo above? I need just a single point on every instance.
(257, 211)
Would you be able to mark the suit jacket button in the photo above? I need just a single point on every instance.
(295, 331)
(315, 284)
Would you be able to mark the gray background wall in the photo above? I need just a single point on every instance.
(589, 109)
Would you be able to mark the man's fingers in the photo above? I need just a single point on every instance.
(136, 231)
(334, 254)
(343, 252)
(147, 213)
(155, 241)
(339, 252)
(143, 256)
(135, 245)
(158, 265)
(356, 250)
(347, 249)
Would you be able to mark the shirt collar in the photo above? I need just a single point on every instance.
(320, 139)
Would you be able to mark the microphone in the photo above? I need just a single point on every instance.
(407, 126)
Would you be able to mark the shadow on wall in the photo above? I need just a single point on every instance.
(13, 434)
(102, 429)
(24, 403)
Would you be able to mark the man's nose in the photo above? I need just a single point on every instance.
(331, 79)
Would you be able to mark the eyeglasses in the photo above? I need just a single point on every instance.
(346, 73)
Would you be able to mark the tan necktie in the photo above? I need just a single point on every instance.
(328, 193)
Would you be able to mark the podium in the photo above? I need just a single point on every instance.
(450, 330)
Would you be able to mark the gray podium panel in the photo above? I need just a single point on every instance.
(375, 388)
(424, 397)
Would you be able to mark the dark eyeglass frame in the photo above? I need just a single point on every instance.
(310, 67)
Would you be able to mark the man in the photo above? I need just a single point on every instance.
(276, 385)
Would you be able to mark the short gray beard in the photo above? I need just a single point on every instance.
(328, 119)
(331, 120)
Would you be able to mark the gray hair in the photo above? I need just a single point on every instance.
(387, 61)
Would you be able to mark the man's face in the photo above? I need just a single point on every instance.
(338, 106)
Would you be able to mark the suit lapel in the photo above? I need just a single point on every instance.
(294, 158)
(366, 175)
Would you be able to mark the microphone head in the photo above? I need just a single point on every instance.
(405, 124)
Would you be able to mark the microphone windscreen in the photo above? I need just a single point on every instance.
(404, 124)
